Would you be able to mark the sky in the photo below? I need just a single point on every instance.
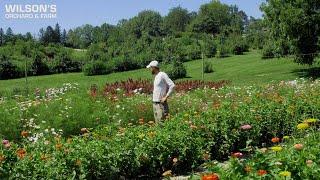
(74, 13)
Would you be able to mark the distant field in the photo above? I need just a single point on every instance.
(240, 70)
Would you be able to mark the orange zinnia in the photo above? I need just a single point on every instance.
(262, 172)
(58, 146)
(24, 133)
(2, 158)
(275, 140)
(298, 146)
(21, 153)
(141, 121)
(210, 177)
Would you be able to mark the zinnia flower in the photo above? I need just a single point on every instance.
(84, 130)
(302, 126)
(24, 134)
(275, 140)
(2, 158)
(4, 142)
(210, 177)
(58, 146)
(263, 150)
(276, 148)
(21, 153)
(246, 127)
(262, 172)
(141, 121)
(298, 146)
(175, 160)
(285, 173)
(278, 163)
(237, 155)
(167, 173)
(311, 120)
(309, 162)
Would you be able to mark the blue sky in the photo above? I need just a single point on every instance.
(73, 13)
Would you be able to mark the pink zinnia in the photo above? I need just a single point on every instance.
(4, 142)
(237, 155)
(246, 127)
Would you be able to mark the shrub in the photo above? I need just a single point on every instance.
(192, 52)
(208, 67)
(268, 51)
(97, 68)
(239, 48)
(177, 70)
(39, 67)
(7, 69)
(222, 51)
(63, 63)
(124, 63)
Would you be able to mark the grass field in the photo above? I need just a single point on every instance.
(240, 70)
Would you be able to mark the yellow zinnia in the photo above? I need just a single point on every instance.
(276, 148)
(285, 173)
(302, 126)
(311, 120)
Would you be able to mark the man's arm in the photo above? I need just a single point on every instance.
(171, 85)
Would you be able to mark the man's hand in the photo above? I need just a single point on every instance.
(164, 99)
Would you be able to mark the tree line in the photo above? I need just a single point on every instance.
(216, 30)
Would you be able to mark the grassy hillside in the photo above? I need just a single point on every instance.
(244, 69)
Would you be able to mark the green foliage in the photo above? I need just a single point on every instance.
(177, 19)
(7, 69)
(124, 63)
(97, 68)
(237, 44)
(212, 18)
(63, 63)
(296, 21)
(176, 70)
(269, 51)
(256, 33)
(39, 67)
(208, 67)
(222, 51)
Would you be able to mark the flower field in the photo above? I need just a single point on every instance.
(252, 132)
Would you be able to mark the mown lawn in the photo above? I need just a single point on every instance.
(240, 70)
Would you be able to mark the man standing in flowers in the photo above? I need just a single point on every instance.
(162, 89)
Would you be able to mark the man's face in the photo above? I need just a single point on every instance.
(154, 70)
